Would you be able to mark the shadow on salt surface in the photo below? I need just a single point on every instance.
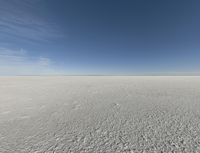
(42, 107)
(115, 105)
(76, 105)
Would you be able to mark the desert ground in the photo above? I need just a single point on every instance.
(100, 114)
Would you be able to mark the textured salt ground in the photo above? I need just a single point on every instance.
(99, 114)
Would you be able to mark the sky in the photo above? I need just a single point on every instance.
(99, 37)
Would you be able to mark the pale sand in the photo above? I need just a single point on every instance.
(99, 114)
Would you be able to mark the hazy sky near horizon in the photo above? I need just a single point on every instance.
(99, 36)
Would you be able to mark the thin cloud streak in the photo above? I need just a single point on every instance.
(18, 62)
(22, 23)
(20, 18)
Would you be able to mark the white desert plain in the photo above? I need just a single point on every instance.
(100, 114)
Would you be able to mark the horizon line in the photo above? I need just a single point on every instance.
(142, 74)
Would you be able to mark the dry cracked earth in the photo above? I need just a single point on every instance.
(100, 114)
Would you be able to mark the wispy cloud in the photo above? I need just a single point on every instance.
(23, 22)
(23, 19)
(18, 62)
(44, 61)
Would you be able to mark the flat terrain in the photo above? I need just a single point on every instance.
(99, 114)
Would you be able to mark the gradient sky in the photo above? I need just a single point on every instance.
(99, 36)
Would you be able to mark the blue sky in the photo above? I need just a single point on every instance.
(99, 37)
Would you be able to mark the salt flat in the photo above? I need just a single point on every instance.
(99, 114)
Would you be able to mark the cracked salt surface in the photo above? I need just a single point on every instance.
(99, 114)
